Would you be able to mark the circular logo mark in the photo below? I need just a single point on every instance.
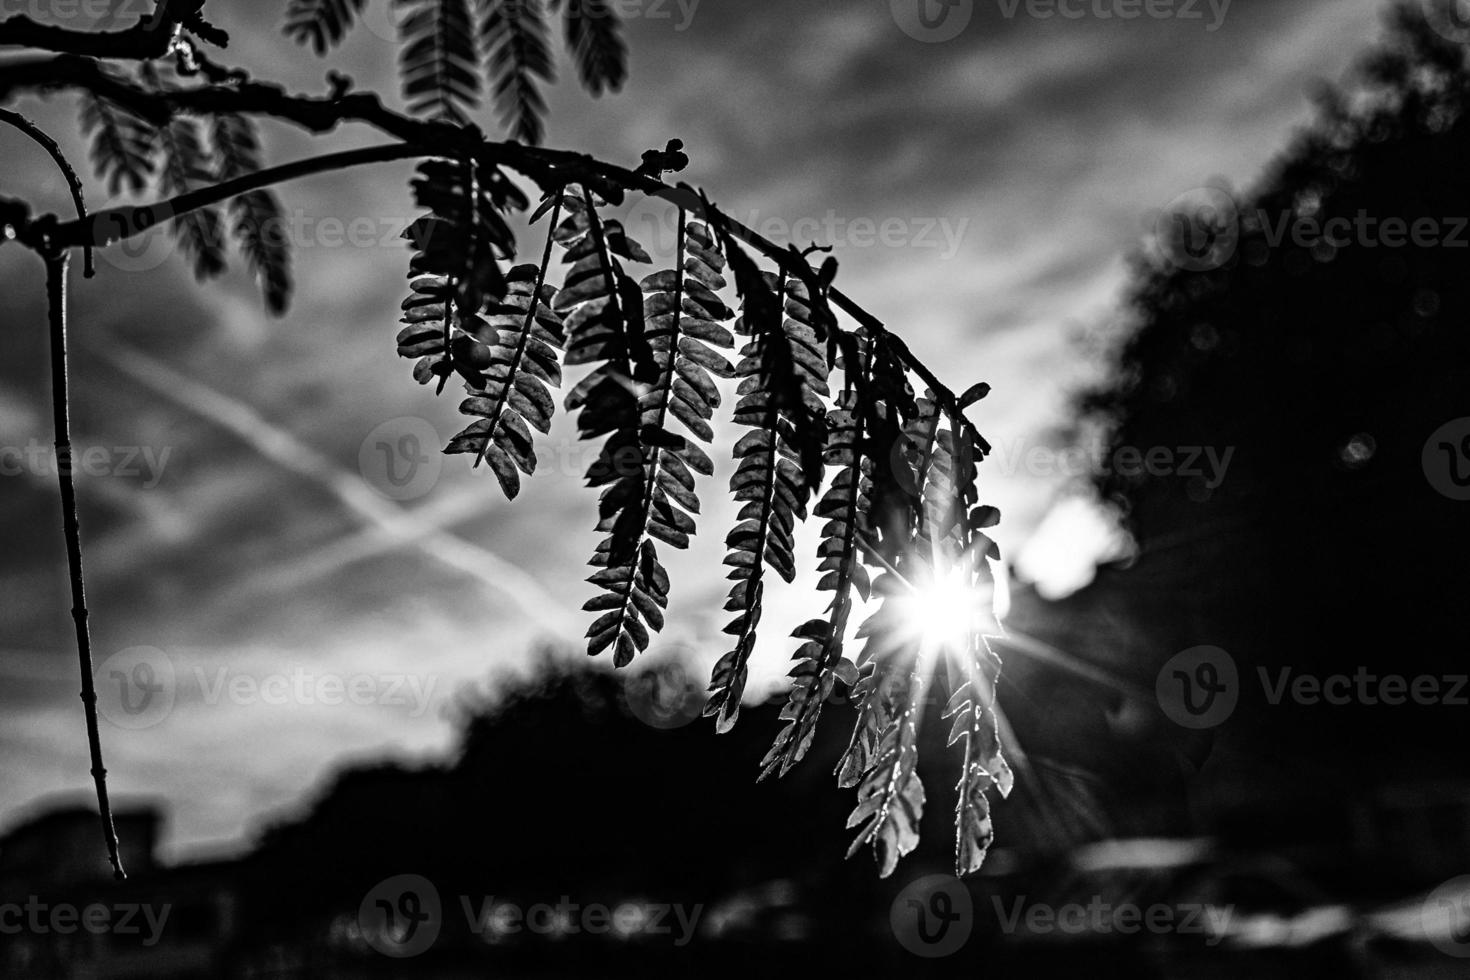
(664, 695)
(1198, 688)
(383, 20)
(401, 916)
(933, 916)
(903, 459)
(1450, 19)
(1446, 459)
(1445, 917)
(135, 687)
(134, 239)
(653, 220)
(932, 21)
(653, 223)
(1198, 230)
(401, 458)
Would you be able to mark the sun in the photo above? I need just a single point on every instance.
(945, 612)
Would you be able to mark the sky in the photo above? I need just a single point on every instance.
(985, 183)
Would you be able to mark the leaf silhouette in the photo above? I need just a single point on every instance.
(891, 796)
(187, 167)
(983, 766)
(123, 144)
(516, 52)
(440, 62)
(882, 757)
(800, 372)
(781, 390)
(258, 227)
(604, 306)
(819, 660)
(891, 646)
(456, 267)
(657, 501)
(956, 525)
(464, 236)
(594, 36)
(887, 406)
(321, 23)
(943, 538)
(683, 329)
(517, 341)
(604, 311)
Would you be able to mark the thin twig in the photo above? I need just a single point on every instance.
(117, 224)
(72, 180)
(57, 262)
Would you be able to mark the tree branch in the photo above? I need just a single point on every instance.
(549, 168)
(117, 224)
(312, 113)
(144, 41)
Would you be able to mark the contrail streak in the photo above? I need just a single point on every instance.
(351, 491)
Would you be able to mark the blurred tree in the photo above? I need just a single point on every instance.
(1326, 355)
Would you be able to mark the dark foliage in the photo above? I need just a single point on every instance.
(440, 61)
(321, 23)
(258, 224)
(122, 144)
(1323, 370)
(447, 44)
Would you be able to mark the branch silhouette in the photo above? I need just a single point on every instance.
(904, 504)
(57, 263)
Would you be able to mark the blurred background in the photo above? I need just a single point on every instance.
(1231, 450)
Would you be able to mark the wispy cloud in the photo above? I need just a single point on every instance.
(354, 494)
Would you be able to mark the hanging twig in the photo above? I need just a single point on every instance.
(57, 262)
(117, 224)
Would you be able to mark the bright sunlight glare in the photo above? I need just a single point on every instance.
(945, 611)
